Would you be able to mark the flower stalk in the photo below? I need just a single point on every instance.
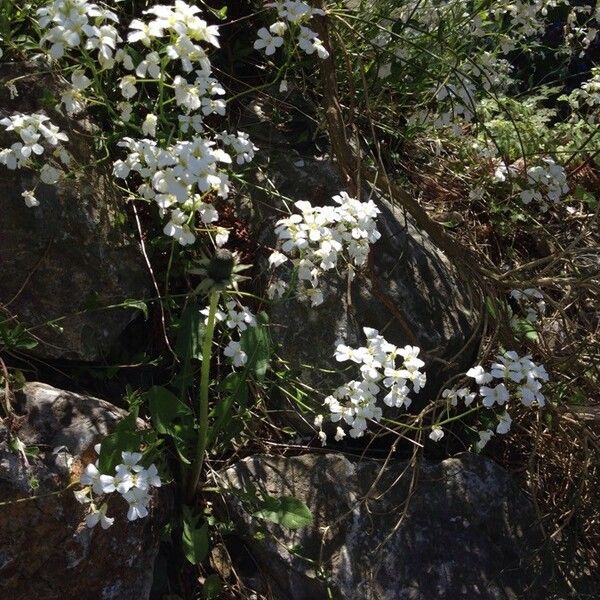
(203, 396)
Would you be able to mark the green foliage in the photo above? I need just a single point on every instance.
(256, 343)
(287, 511)
(126, 438)
(14, 336)
(194, 537)
(173, 418)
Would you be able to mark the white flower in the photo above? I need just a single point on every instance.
(340, 434)
(234, 351)
(283, 86)
(484, 437)
(79, 80)
(221, 236)
(143, 32)
(127, 86)
(179, 229)
(276, 289)
(99, 516)
(131, 460)
(495, 395)
(82, 496)
(149, 125)
(530, 392)
(278, 28)
(268, 41)
(323, 438)
(123, 479)
(318, 422)
(241, 319)
(479, 374)
(30, 199)
(437, 433)
(138, 500)
(124, 57)
(152, 476)
(309, 42)
(277, 259)
(467, 395)
(398, 396)
(150, 65)
(451, 396)
(91, 476)
(504, 423)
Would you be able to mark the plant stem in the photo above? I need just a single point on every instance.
(203, 398)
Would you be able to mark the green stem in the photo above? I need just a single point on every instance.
(203, 405)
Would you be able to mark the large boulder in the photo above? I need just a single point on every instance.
(46, 550)
(455, 529)
(410, 291)
(67, 257)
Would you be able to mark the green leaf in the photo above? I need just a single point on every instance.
(165, 409)
(14, 337)
(235, 394)
(491, 307)
(287, 511)
(171, 417)
(256, 343)
(190, 333)
(188, 345)
(137, 304)
(194, 538)
(527, 329)
(124, 439)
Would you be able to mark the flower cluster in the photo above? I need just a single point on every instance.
(181, 176)
(547, 181)
(174, 175)
(131, 480)
(33, 130)
(319, 236)
(585, 101)
(73, 22)
(509, 376)
(531, 301)
(293, 15)
(382, 364)
(183, 27)
(237, 318)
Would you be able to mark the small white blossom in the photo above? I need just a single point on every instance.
(436, 434)
(234, 351)
(127, 86)
(98, 515)
(149, 125)
(504, 423)
(267, 40)
(30, 199)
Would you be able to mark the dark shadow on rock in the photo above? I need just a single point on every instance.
(464, 531)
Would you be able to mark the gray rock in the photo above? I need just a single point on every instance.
(68, 254)
(410, 292)
(46, 551)
(465, 530)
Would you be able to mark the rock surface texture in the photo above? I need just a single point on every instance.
(46, 550)
(409, 292)
(464, 531)
(67, 254)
